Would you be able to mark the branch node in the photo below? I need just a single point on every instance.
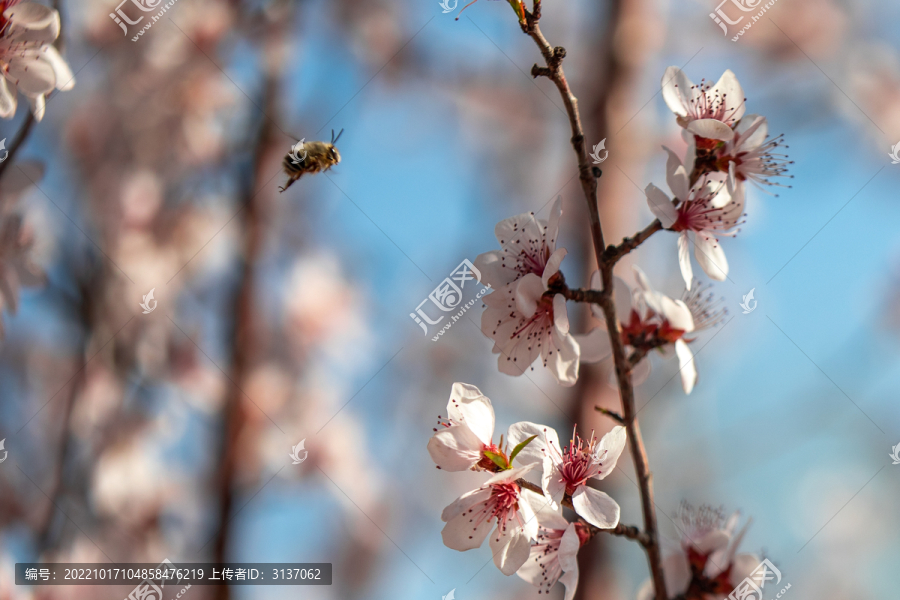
(537, 71)
(596, 171)
(559, 53)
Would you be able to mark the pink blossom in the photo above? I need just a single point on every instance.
(498, 501)
(29, 62)
(709, 112)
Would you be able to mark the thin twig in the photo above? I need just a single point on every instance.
(613, 253)
(554, 71)
(628, 531)
(553, 58)
(611, 414)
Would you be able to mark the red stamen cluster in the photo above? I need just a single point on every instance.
(651, 332)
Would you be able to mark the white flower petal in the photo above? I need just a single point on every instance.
(467, 405)
(554, 488)
(32, 75)
(529, 290)
(677, 313)
(568, 560)
(712, 541)
(712, 129)
(661, 206)
(570, 580)
(684, 259)
(676, 90)
(65, 79)
(552, 266)
(610, 449)
(563, 359)
(7, 100)
(510, 549)
(493, 273)
(729, 89)
(464, 503)
(510, 475)
(710, 256)
(552, 231)
(463, 533)
(38, 106)
(547, 516)
(560, 314)
(527, 515)
(596, 507)
(568, 548)
(455, 448)
(752, 131)
(31, 15)
(677, 176)
(536, 451)
(686, 366)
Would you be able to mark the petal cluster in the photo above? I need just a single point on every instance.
(651, 320)
(30, 64)
(523, 317)
(528, 533)
(707, 564)
(566, 471)
(700, 213)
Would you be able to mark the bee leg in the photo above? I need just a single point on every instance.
(287, 185)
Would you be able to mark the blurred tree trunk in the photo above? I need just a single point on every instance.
(245, 341)
(621, 51)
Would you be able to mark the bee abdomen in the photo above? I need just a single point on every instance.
(293, 169)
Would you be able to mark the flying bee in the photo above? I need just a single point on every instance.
(310, 157)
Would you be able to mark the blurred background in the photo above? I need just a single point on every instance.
(284, 317)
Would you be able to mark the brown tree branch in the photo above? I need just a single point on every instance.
(553, 58)
(628, 531)
(613, 253)
(554, 71)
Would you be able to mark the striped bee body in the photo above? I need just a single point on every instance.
(310, 157)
